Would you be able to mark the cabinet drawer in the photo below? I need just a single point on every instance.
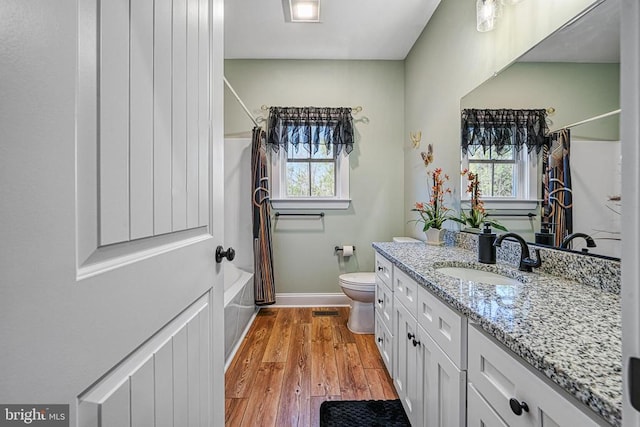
(479, 413)
(384, 303)
(384, 270)
(405, 289)
(447, 327)
(384, 341)
(499, 376)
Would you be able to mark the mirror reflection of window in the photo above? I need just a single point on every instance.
(496, 171)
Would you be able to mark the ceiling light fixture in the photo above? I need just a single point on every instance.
(304, 10)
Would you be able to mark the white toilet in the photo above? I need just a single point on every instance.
(361, 288)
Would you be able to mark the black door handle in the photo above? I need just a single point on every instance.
(518, 407)
(229, 254)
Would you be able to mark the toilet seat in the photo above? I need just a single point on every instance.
(358, 281)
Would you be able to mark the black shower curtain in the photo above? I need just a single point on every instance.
(263, 282)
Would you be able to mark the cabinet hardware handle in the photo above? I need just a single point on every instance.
(380, 301)
(518, 407)
(380, 339)
(416, 343)
(380, 268)
(410, 336)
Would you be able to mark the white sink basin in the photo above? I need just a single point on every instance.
(473, 275)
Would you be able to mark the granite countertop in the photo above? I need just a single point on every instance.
(568, 331)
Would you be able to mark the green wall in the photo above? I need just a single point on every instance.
(450, 59)
(576, 91)
(304, 260)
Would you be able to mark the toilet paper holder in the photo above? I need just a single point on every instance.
(339, 249)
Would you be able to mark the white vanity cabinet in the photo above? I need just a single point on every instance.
(430, 385)
(448, 372)
(515, 392)
(384, 311)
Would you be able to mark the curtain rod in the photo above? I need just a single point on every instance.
(246, 110)
(601, 116)
(355, 110)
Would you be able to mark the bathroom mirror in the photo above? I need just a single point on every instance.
(575, 75)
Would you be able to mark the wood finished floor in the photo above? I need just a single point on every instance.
(291, 361)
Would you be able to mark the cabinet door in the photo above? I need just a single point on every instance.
(405, 378)
(384, 341)
(442, 387)
(384, 303)
(479, 413)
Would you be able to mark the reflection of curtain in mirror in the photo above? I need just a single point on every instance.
(557, 205)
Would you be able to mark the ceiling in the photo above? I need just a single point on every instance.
(592, 38)
(349, 29)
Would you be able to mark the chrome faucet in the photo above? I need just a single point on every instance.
(526, 263)
(590, 242)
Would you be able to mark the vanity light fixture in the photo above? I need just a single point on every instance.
(488, 12)
(304, 10)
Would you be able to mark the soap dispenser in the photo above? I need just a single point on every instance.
(486, 250)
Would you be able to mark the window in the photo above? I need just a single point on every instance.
(311, 173)
(302, 179)
(310, 162)
(507, 176)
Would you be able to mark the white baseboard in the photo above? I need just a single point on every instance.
(311, 300)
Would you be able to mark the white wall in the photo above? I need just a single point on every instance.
(304, 260)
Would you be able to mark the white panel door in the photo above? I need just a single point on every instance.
(98, 257)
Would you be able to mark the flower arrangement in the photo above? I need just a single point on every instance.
(434, 213)
(477, 215)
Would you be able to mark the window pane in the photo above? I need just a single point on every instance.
(298, 179)
(323, 182)
(507, 153)
(323, 152)
(483, 170)
(302, 152)
(503, 180)
(479, 154)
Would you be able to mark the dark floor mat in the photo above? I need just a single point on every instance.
(357, 413)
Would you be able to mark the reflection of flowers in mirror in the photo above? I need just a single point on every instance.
(477, 215)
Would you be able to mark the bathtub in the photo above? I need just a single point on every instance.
(239, 308)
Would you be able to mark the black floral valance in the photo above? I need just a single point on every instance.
(502, 128)
(310, 126)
